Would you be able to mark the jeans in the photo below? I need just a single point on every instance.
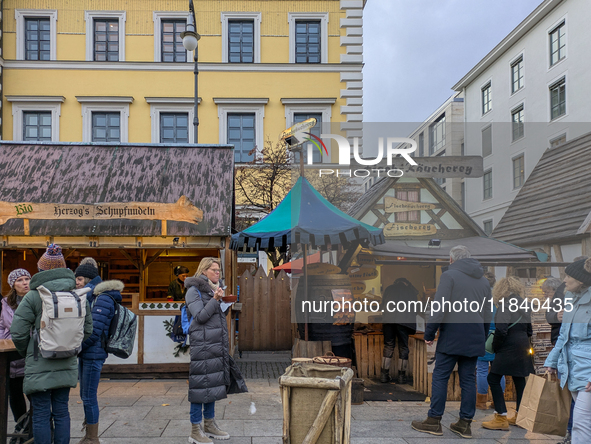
(89, 374)
(391, 332)
(48, 404)
(494, 380)
(481, 375)
(572, 408)
(444, 365)
(581, 433)
(208, 411)
(18, 405)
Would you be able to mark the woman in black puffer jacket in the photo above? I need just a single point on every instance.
(209, 373)
(512, 348)
(93, 354)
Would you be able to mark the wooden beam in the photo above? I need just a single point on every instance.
(559, 258)
(34, 253)
(586, 246)
(69, 253)
(153, 258)
(380, 216)
(26, 227)
(163, 229)
(351, 252)
(129, 258)
(140, 340)
(323, 415)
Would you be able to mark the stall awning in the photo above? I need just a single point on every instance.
(481, 248)
(305, 217)
(81, 189)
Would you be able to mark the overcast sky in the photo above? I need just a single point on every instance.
(416, 50)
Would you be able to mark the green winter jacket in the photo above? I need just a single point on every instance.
(45, 374)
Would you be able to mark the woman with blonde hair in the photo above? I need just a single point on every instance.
(209, 372)
(511, 345)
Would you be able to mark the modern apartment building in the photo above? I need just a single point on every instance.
(527, 95)
(109, 71)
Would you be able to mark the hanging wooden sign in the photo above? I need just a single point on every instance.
(393, 205)
(182, 210)
(317, 269)
(363, 273)
(358, 287)
(409, 229)
(364, 259)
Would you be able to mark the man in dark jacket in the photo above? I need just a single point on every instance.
(553, 289)
(462, 335)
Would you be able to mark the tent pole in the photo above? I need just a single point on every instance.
(305, 247)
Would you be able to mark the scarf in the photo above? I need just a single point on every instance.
(213, 286)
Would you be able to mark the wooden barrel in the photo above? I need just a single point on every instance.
(321, 325)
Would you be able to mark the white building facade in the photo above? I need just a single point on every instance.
(529, 94)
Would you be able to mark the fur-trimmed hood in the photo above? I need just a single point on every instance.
(200, 282)
(113, 285)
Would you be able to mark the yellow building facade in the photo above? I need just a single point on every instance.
(113, 71)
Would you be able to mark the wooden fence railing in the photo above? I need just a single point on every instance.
(265, 318)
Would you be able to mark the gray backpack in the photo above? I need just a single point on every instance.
(61, 330)
(121, 337)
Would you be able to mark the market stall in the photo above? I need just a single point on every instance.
(138, 210)
(421, 224)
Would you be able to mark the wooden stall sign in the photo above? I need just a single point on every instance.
(318, 269)
(365, 259)
(182, 210)
(358, 287)
(393, 205)
(409, 229)
(363, 273)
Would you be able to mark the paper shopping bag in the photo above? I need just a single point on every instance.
(545, 406)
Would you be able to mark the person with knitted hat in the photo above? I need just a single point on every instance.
(52, 258)
(572, 353)
(47, 381)
(19, 286)
(87, 274)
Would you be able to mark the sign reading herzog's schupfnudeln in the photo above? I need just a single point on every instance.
(182, 210)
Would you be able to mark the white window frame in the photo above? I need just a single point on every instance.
(549, 31)
(256, 17)
(21, 104)
(228, 106)
(292, 17)
(20, 15)
(563, 76)
(489, 170)
(519, 107)
(492, 226)
(158, 16)
(513, 159)
(486, 85)
(104, 104)
(317, 106)
(519, 59)
(171, 105)
(90, 17)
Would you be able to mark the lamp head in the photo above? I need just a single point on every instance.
(190, 36)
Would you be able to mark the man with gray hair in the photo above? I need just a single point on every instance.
(462, 334)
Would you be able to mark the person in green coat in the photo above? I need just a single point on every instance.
(47, 381)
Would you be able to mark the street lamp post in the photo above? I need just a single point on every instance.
(190, 42)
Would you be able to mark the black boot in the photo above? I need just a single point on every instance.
(385, 375)
(430, 425)
(401, 377)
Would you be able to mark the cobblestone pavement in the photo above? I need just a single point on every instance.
(263, 365)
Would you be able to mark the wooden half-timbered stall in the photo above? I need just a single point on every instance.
(421, 224)
(138, 209)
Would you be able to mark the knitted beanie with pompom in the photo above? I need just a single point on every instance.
(52, 258)
(581, 271)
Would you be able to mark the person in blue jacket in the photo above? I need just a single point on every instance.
(93, 354)
(572, 353)
(483, 364)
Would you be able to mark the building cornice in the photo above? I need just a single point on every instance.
(37, 99)
(185, 67)
(104, 99)
(309, 101)
(523, 28)
(240, 101)
(172, 100)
